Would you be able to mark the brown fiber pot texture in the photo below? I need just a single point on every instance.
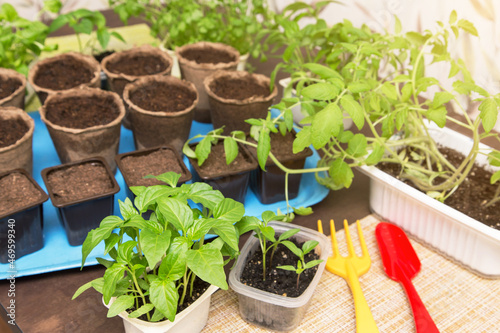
(86, 61)
(20, 154)
(74, 144)
(15, 99)
(159, 128)
(197, 72)
(232, 113)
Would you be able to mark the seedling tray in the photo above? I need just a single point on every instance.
(57, 254)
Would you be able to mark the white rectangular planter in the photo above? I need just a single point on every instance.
(268, 310)
(464, 239)
(190, 320)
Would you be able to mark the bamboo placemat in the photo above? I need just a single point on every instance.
(457, 300)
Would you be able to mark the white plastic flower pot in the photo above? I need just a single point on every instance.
(298, 113)
(268, 310)
(190, 320)
(454, 234)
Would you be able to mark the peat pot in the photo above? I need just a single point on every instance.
(16, 130)
(198, 61)
(161, 110)
(84, 123)
(62, 72)
(21, 215)
(83, 193)
(12, 88)
(271, 311)
(237, 96)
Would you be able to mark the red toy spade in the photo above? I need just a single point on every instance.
(401, 264)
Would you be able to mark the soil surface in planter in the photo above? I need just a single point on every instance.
(199, 288)
(138, 65)
(154, 163)
(11, 130)
(82, 112)
(63, 74)
(216, 164)
(470, 197)
(208, 56)
(16, 192)
(239, 89)
(7, 87)
(278, 281)
(80, 181)
(163, 97)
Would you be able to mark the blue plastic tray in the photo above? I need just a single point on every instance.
(57, 254)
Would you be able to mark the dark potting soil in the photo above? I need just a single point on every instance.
(63, 74)
(138, 65)
(163, 97)
(102, 55)
(216, 162)
(470, 197)
(79, 182)
(11, 130)
(7, 87)
(208, 56)
(154, 163)
(199, 288)
(278, 281)
(16, 192)
(239, 89)
(82, 112)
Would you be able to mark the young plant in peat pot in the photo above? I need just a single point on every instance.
(163, 270)
(277, 271)
(83, 193)
(161, 110)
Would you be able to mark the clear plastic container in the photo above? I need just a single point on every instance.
(268, 310)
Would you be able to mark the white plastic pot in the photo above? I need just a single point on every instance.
(298, 113)
(190, 320)
(268, 310)
(454, 234)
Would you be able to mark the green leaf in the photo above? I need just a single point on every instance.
(320, 91)
(309, 245)
(9, 12)
(312, 263)
(326, 123)
(104, 262)
(302, 140)
(357, 87)
(441, 98)
(437, 115)
(453, 17)
(287, 234)
(173, 266)
(247, 223)
(204, 194)
(495, 177)
(154, 246)
(125, 251)
(354, 109)
(151, 194)
(58, 22)
(287, 268)
(341, 173)
(121, 304)
(322, 71)
(178, 213)
(494, 158)
(263, 148)
(489, 114)
(85, 26)
(80, 290)
(111, 277)
(397, 25)
(268, 232)
(229, 210)
(357, 146)
(203, 149)
(118, 36)
(171, 178)
(141, 311)
(389, 90)
(110, 242)
(127, 209)
(103, 36)
(95, 236)
(304, 211)
(467, 26)
(207, 263)
(292, 247)
(231, 149)
(376, 155)
(164, 296)
(228, 233)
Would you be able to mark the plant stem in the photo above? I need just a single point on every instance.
(140, 291)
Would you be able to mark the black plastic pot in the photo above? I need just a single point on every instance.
(145, 153)
(80, 216)
(26, 223)
(232, 183)
(269, 185)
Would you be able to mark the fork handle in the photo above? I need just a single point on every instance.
(364, 318)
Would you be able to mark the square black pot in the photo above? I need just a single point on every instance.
(232, 184)
(27, 223)
(269, 186)
(80, 216)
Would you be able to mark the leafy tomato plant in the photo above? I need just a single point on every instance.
(152, 259)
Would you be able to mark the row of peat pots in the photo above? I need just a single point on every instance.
(84, 124)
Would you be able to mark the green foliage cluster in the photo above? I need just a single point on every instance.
(152, 258)
(21, 40)
(180, 22)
